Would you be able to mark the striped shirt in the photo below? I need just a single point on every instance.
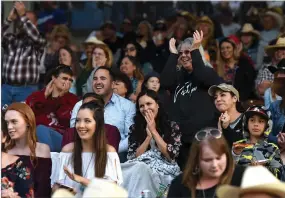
(22, 53)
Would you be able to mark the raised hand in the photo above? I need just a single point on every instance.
(197, 40)
(172, 47)
(20, 7)
(12, 15)
(49, 89)
(225, 120)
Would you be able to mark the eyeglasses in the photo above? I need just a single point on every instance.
(131, 49)
(186, 52)
(203, 134)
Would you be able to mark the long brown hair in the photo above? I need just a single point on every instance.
(220, 60)
(137, 73)
(29, 117)
(107, 52)
(219, 146)
(99, 146)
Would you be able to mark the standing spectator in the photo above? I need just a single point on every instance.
(52, 107)
(22, 54)
(235, 67)
(249, 38)
(22, 141)
(130, 67)
(191, 106)
(161, 49)
(118, 111)
(276, 50)
(272, 22)
(229, 27)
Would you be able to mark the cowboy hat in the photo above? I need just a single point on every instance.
(270, 49)
(278, 17)
(93, 40)
(98, 188)
(247, 28)
(255, 179)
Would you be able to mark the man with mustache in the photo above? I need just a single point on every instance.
(118, 111)
(21, 55)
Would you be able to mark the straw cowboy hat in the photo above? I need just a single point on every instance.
(270, 49)
(93, 40)
(98, 188)
(255, 179)
(278, 17)
(247, 28)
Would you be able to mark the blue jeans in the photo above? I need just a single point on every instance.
(10, 94)
(50, 137)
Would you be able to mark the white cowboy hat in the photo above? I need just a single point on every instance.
(98, 188)
(279, 44)
(276, 16)
(93, 40)
(247, 28)
(255, 179)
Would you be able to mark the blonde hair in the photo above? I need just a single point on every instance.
(108, 54)
(61, 31)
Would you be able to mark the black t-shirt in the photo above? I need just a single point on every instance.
(177, 189)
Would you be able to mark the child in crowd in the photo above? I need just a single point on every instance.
(254, 148)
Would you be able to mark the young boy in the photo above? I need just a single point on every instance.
(254, 148)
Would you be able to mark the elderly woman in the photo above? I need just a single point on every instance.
(188, 82)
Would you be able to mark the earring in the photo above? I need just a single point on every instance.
(196, 171)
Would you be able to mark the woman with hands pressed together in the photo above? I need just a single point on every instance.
(154, 144)
(188, 76)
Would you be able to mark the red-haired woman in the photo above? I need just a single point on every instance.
(22, 141)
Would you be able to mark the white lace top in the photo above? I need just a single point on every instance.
(113, 170)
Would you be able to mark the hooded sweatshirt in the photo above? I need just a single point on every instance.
(191, 106)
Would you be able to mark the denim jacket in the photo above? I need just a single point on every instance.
(278, 118)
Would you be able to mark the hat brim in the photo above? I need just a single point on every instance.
(235, 192)
(277, 17)
(252, 113)
(271, 48)
(212, 90)
(254, 32)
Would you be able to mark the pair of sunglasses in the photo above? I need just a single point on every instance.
(186, 52)
(209, 132)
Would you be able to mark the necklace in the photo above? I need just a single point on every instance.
(204, 195)
(82, 188)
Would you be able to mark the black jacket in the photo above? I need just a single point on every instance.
(191, 107)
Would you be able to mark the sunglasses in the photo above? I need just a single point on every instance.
(131, 49)
(203, 134)
(186, 52)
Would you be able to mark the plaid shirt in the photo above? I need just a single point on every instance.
(264, 74)
(22, 53)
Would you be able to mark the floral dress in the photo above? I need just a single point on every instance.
(151, 170)
(17, 178)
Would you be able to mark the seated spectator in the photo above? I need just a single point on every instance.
(188, 76)
(132, 48)
(16, 177)
(209, 151)
(272, 22)
(130, 67)
(123, 85)
(270, 96)
(249, 38)
(257, 182)
(152, 82)
(254, 149)
(276, 50)
(235, 67)
(89, 156)
(226, 99)
(118, 111)
(22, 141)
(52, 107)
(101, 56)
(228, 25)
(154, 145)
(112, 133)
(277, 110)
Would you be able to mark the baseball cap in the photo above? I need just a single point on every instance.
(224, 87)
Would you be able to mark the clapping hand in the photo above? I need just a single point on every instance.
(197, 40)
(20, 7)
(150, 120)
(9, 194)
(71, 175)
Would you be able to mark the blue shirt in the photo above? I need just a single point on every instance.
(118, 112)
